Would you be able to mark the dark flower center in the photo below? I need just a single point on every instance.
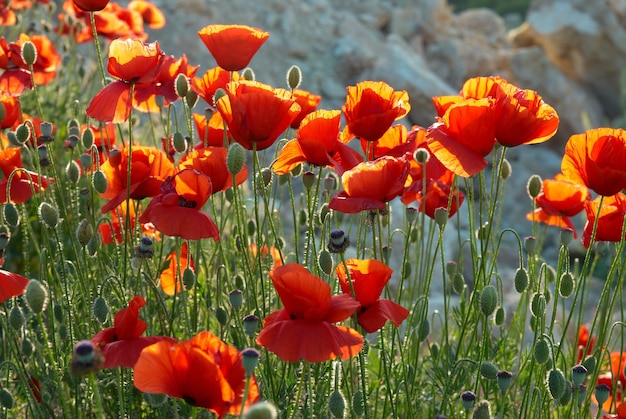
(182, 202)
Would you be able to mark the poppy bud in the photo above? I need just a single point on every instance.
(100, 310)
(567, 234)
(533, 187)
(87, 138)
(488, 300)
(566, 287)
(441, 216)
(236, 299)
(538, 305)
(23, 133)
(421, 155)
(229, 194)
(482, 410)
(339, 242)
(12, 137)
(221, 315)
(406, 271)
(219, 93)
(556, 383)
(504, 379)
(302, 217)
(262, 410)
(265, 176)
(29, 53)
(248, 74)
(323, 213)
(48, 214)
(11, 214)
(294, 77)
(84, 232)
(458, 283)
(308, 179)
(330, 183)
(521, 279)
(387, 254)
(16, 318)
(530, 243)
(180, 144)
(26, 348)
(189, 278)
(235, 158)
(57, 310)
(325, 261)
(296, 171)
(468, 399)
(424, 330)
(86, 358)
(99, 181)
(86, 161)
(602, 393)
(36, 296)
(579, 372)
(488, 370)
(250, 359)
(590, 364)
(192, 99)
(357, 403)
(72, 171)
(566, 397)
(62, 331)
(6, 399)
(500, 316)
(505, 171)
(541, 351)
(337, 404)
(181, 85)
(250, 325)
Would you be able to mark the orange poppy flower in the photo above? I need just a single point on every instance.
(170, 279)
(149, 169)
(112, 22)
(304, 328)
(212, 162)
(7, 16)
(113, 232)
(131, 61)
(232, 46)
(371, 107)
(149, 12)
(211, 132)
(203, 371)
(584, 339)
(464, 135)
(12, 111)
(256, 113)
(177, 210)
(394, 142)
(368, 278)
(122, 343)
(14, 79)
(273, 252)
(308, 103)
(213, 79)
(611, 219)
(370, 185)
(23, 183)
(11, 285)
(616, 381)
(596, 159)
(559, 200)
(91, 5)
(48, 59)
(317, 143)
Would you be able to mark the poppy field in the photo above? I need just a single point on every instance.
(187, 242)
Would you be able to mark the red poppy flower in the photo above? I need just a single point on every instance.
(149, 169)
(232, 46)
(23, 183)
(211, 132)
(371, 107)
(149, 12)
(171, 279)
(7, 16)
(559, 200)
(584, 339)
(122, 343)
(304, 328)
(212, 162)
(48, 59)
(317, 143)
(213, 79)
(611, 219)
(272, 251)
(368, 278)
(616, 381)
(14, 79)
(620, 412)
(131, 61)
(370, 185)
(596, 159)
(395, 142)
(203, 371)
(11, 285)
(308, 103)
(464, 135)
(177, 210)
(12, 111)
(113, 232)
(112, 22)
(256, 113)
(91, 5)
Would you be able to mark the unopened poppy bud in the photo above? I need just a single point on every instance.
(337, 404)
(62, 331)
(538, 304)
(72, 171)
(13, 140)
(488, 300)
(421, 155)
(23, 133)
(180, 144)
(325, 261)
(308, 180)
(458, 283)
(468, 399)
(221, 315)
(541, 351)
(302, 217)
(219, 93)
(250, 325)
(579, 372)
(296, 171)
(27, 348)
(181, 85)
(262, 410)
(482, 233)
(505, 171)
(590, 363)
(602, 393)
(16, 318)
(424, 330)
(250, 359)
(500, 316)
(99, 181)
(330, 183)
(338, 242)
(5, 238)
(84, 232)
(534, 185)
(57, 310)
(100, 310)
(521, 280)
(86, 160)
(566, 397)
(29, 53)
(556, 383)
(323, 213)
(530, 243)
(11, 214)
(406, 269)
(46, 129)
(294, 77)
(488, 370)
(36, 296)
(482, 410)
(441, 216)
(248, 74)
(451, 268)
(6, 399)
(189, 278)
(235, 158)
(48, 214)
(191, 98)
(387, 254)
(504, 379)
(236, 299)
(93, 245)
(266, 176)
(86, 358)
(566, 287)
(154, 399)
(87, 138)
(229, 194)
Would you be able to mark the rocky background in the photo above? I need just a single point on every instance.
(571, 51)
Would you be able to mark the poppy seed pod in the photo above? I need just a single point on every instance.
(441, 216)
(250, 359)
(294, 77)
(250, 325)
(308, 179)
(579, 372)
(337, 404)
(504, 379)
(421, 155)
(338, 242)
(468, 399)
(602, 393)
(236, 299)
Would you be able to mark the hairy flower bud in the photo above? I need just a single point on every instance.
(488, 300)
(36, 296)
(48, 214)
(294, 77)
(29, 53)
